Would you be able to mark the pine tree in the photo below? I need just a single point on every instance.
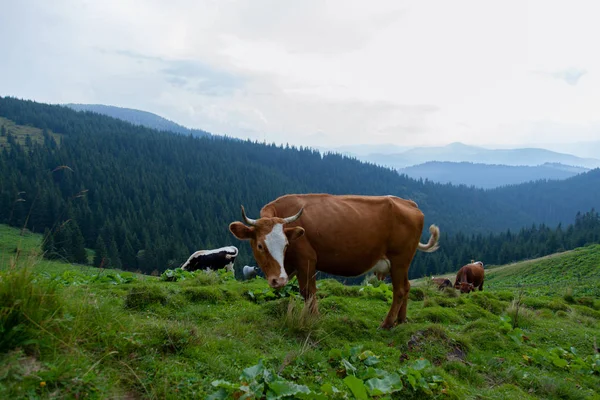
(48, 245)
(78, 252)
(101, 254)
(113, 255)
(128, 255)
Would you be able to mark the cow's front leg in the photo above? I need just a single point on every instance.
(308, 286)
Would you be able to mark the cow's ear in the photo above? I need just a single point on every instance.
(294, 233)
(241, 231)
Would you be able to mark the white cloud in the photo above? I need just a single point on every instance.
(321, 73)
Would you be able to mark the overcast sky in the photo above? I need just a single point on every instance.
(315, 72)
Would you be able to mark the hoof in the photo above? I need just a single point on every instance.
(386, 326)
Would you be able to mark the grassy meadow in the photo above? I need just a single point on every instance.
(22, 132)
(71, 331)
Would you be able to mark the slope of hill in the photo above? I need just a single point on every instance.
(151, 198)
(488, 176)
(73, 333)
(575, 271)
(138, 117)
(458, 152)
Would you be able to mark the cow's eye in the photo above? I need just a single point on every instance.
(260, 247)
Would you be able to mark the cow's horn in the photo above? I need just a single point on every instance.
(247, 220)
(294, 217)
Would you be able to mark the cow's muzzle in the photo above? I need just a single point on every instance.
(278, 282)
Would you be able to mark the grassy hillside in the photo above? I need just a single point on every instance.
(72, 332)
(21, 132)
(577, 271)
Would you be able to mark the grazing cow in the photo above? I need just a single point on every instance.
(442, 282)
(212, 259)
(339, 235)
(249, 272)
(469, 277)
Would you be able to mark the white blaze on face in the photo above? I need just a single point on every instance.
(276, 242)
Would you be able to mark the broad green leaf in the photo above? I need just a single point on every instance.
(349, 367)
(412, 381)
(388, 384)
(286, 388)
(357, 387)
(366, 354)
(420, 364)
(250, 373)
(371, 360)
(220, 394)
(354, 351)
(335, 354)
(311, 396)
(560, 363)
(220, 383)
(328, 388)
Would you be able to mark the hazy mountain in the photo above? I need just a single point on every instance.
(365, 149)
(580, 149)
(459, 152)
(488, 176)
(138, 117)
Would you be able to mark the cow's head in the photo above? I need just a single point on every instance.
(466, 287)
(269, 239)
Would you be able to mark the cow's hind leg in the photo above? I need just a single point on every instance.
(481, 286)
(401, 288)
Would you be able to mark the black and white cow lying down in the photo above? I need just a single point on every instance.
(212, 259)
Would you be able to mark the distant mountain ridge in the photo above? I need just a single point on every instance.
(138, 117)
(459, 152)
(488, 176)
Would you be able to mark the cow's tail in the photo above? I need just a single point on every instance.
(432, 245)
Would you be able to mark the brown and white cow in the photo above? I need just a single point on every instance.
(340, 235)
(469, 277)
(441, 282)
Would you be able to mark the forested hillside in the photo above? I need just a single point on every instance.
(151, 198)
(138, 117)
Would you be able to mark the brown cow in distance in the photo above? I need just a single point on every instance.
(469, 277)
(441, 282)
(340, 235)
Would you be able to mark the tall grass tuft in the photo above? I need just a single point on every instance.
(26, 307)
(298, 318)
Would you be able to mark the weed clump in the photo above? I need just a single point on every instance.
(416, 294)
(568, 296)
(331, 287)
(298, 318)
(446, 301)
(450, 292)
(204, 294)
(140, 297)
(439, 315)
(25, 306)
(488, 302)
(173, 338)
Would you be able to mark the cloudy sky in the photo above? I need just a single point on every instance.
(321, 73)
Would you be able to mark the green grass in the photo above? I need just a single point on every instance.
(68, 334)
(21, 132)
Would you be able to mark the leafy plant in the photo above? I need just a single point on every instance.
(560, 358)
(291, 289)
